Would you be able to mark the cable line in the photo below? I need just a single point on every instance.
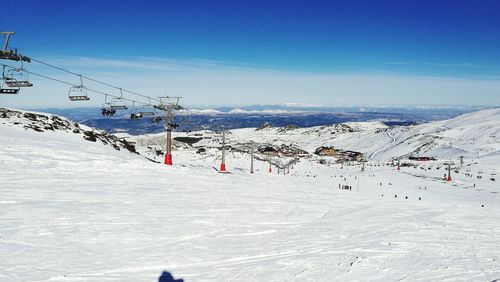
(94, 80)
(89, 89)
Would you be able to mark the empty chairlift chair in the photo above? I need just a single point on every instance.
(147, 111)
(5, 89)
(119, 103)
(16, 77)
(78, 92)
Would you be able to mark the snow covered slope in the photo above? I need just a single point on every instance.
(74, 210)
(60, 126)
(472, 135)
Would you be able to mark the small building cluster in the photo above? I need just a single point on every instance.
(343, 155)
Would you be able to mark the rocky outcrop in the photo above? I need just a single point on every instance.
(264, 126)
(46, 122)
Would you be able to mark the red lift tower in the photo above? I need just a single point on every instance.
(223, 162)
(169, 104)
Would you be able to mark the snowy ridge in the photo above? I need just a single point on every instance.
(236, 111)
(45, 123)
(472, 135)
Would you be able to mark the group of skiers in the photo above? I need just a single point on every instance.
(345, 187)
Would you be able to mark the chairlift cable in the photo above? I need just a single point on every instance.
(94, 80)
(72, 84)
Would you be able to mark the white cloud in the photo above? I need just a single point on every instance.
(204, 82)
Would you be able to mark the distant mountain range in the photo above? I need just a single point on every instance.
(254, 116)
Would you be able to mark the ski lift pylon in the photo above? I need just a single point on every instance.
(78, 92)
(9, 54)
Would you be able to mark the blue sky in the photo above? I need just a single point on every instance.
(247, 52)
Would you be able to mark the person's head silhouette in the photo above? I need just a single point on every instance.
(167, 277)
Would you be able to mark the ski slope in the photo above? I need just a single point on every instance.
(471, 135)
(73, 210)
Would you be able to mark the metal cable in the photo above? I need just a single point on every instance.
(88, 89)
(95, 80)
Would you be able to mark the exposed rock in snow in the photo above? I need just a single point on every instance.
(40, 122)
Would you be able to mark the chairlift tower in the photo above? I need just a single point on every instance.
(169, 103)
(12, 85)
(9, 54)
(252, 148)
(449, 172)
(223, 161)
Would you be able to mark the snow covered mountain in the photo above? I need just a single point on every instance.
(76, 210)
(473, 135)
(253, 116)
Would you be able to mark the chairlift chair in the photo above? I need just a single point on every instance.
(18, 83)
(118, 104)
(106, 109)
(6, 89)
(147, 111)
(134, 113)
(16, 77)
(78, 92)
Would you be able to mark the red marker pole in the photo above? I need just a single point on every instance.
(168, 155)
(223, 163)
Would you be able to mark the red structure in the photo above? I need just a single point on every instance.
(168, 104)
(168, 159)
(223, 162)
(168, 155)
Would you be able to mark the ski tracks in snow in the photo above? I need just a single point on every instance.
(385, 147)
